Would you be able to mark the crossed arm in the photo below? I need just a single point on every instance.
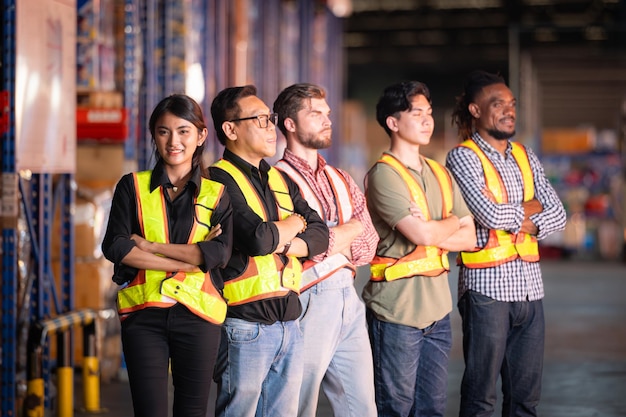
(167, 256)
(451, 233)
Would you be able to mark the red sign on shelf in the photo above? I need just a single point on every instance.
(4, 116)
(102, 124)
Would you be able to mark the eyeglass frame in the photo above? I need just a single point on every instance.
(258, 117)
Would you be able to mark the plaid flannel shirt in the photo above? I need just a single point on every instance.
(517, 280)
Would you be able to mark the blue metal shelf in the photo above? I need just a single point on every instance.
(9, 231)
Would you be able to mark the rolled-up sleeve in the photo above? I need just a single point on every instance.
(122, 224)
(216, 252)
(553, 216)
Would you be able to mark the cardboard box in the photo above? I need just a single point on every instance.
(93, 287)
(101, 162)
(567, 141)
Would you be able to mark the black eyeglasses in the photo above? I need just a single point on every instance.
(262, 119)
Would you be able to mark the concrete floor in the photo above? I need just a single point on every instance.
(585, 357)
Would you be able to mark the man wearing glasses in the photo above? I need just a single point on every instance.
(259, 365)
(337, 353)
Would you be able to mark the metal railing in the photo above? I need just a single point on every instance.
(34, 403)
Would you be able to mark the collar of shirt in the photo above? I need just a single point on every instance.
(246, 167)
(422, 162)
(302, 164)
(319, 183)
(160, 178)
(488, 149)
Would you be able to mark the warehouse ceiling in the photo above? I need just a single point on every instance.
(577, 49)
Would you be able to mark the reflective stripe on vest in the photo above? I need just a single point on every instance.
(502, 246)
(153, 288)
(265, 276)
(315, 272)
(429, 261)
(339, 185)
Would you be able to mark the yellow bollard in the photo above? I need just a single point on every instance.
(65, 376)
(91, 371)
(91, 384)
(33, 404)
(66, 391)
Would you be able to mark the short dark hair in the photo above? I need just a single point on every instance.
(291, 100)
(474, 83)
(183, 106)
(397, 98)
(225, 107)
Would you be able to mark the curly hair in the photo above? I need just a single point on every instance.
(474, 84)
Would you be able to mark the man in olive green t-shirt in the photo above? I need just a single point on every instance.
(419, 215)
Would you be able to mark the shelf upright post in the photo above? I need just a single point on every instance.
(151, 24)
(40, 186)
(213, 56)
(67, 278)
(167, 42)
(307, 16)
(131, 83)
(265, 42)
(8, 212)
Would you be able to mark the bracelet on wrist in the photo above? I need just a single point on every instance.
(303, 221)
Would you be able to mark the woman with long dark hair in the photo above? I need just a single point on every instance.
(169, 234)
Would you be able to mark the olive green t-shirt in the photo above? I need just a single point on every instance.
(417, 301)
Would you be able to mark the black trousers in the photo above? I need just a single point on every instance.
(153, 336)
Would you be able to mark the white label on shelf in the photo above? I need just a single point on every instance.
(104, 116)
(9, 194)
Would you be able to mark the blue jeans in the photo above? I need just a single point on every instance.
(410, 367)
(501, 339)
(337, 353)
(151, 338)
(259, 369)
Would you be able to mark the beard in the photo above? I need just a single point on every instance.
(500, 135)
(315, 141)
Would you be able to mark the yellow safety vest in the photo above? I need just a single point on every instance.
(503, 246)
(152, 288)
(315, 272)
(266, 276)
(429, 261)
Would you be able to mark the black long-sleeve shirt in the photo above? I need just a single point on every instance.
(255, 237)
(123, 221)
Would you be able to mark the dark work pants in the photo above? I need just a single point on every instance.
(153, 336)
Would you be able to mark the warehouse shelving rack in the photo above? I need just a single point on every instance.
(9, 214)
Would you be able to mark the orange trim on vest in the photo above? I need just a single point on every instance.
(315, 272)
(152, 288)
(265, 276)
(429, 261)
(502, 246)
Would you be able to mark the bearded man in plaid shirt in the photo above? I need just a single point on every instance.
(337, 353)
(500, 284)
